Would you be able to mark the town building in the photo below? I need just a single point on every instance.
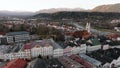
(53, 63)
(37, 63)
(57, 49)
(114, 37)
(21, 54)
(69, 63)
(17, 36)
(80, 60)
(17, 63)
(3, 40)
(88, 27)
(108, 57)
(4, 49)
(43, 48)
(93, 61)
(93, 44)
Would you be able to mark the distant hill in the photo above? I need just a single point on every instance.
(43, 12)
(114, 8)
(43, 15)
(15, 13)
(102, 12)
(53, 10)
(107, 8)
(79, 15)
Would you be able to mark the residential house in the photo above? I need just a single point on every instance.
(17, 36)
(94, 62)
(69, 63)
(17, 63)
(57, 49)
(37, 63)
(93, 44)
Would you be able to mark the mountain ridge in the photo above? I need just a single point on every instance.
(115, 8)
(107, 8)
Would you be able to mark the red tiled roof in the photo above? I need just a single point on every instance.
(2, 33)
(83, 34)
(113, 36)
(69, 33)
(17, 63)
(29, 45)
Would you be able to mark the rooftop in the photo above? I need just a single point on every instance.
(112, 53)
(55, 45)
(100, 57)
(37, 63)
(95, 41)
(5, 48)
(17, 63)
(91, 60)
(53, 63)
(38, 43)
(17, 33)
(66, 61)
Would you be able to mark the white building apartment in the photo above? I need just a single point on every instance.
(67, 51)
(79, 49)
(10, 39)
(57, 49)
(58, 52)
(75, 50)
(43, 48)
(43, 51)
(83, 48)
(69, 63)
(0, 40)
(93, 48)
(18, 36)
(95, 45)
(4, 49)
(105, 47)
(22, 54)
(116, 62)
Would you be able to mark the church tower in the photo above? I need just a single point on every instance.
(88, 27)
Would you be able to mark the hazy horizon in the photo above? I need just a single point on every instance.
(36, 5)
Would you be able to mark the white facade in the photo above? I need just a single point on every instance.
(4, 49)
(75, 50)
(57, 52)
(1, 56)
(0, 40)
(88, 27)
(105, 47)
(43, 51)
(117, 29)
(67, 51)
(116, 62)
(22, 54)
(17, 36)
(118, 38)
(83, 48)
(10, 39)
(93, 48)
(79, 49)
(20, 38)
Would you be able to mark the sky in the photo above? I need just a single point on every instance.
(36, 5)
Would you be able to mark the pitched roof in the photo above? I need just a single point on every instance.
(38, 63)
(2, 33)
(95, 41)
(91, 60)
(17, 33)
(17, 63)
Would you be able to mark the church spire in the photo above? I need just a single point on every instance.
(88, 27)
